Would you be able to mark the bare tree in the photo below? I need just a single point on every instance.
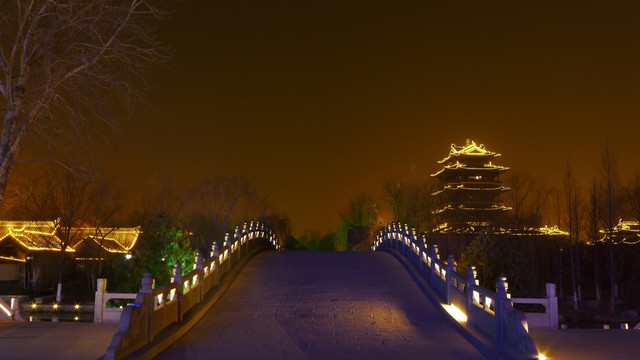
(610, 190)
(68, 197)
(572, 200)
(409, 197)
(593, 228)
(520, 183)
(527, 197)
(633, 198)
(100, 218)
(61, 60)
(230, 200)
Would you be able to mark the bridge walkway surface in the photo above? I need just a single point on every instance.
(322, 305)
(54, 340)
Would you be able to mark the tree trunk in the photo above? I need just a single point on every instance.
(596, 271)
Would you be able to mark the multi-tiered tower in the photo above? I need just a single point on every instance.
(469, 188)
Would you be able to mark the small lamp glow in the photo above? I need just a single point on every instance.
(34, 305)
(77, 307)
(128, 257)
(55, 306)
(455, 313)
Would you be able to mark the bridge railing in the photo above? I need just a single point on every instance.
(155, 309)
(490, 312)
(548, 318)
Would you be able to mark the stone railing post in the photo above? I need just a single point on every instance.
(422, 250)
(413, 241)
(434, 257)
(471, 282)
(404, 236)
(553, 305)
(98, 304)
(200, 269)
(147, 290)
(15, 309)
(215, 254)
(227, 246)
(449, 277)
(502, 288)
(177, 279)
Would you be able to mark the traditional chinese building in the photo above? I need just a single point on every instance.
(469, 188)
(625, 232)
(23, 240)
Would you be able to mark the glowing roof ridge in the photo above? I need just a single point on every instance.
(470, 149)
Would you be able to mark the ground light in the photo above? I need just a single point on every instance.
(6, 311)
(542, 357)
(455, 313)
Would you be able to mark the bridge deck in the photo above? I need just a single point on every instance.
(298, 305)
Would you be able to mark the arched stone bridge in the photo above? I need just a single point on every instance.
(243, 303)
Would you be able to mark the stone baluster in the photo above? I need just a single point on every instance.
(216, 262)
(449, 277)
(415, 254)
(422, 250)
(148, 303)
(552, 310)
(502, 303)
(227, 248)
(434, 257)
(214, 249)
(471, 282)
(177, 279)
(200, 268)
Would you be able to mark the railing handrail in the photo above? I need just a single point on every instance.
(109, 296)
(153, 311)
(497, 317)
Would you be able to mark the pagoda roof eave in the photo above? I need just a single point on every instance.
(462, 207)
(465, 168)
(464, 188)
(471, 149)
(452, 156)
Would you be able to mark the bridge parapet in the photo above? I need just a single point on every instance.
(155, 309)
(490, 312)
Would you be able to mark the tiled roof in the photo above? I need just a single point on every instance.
(45, 235)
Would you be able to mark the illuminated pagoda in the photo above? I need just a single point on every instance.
(469, 188)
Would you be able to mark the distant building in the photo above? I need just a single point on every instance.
(469, 189)
(21, 241)
(625, 232)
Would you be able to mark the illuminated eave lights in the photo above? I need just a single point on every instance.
(462, 207)
(462, 187)
(30, 247)
(11, 258)
(458, 166)
(470, 150)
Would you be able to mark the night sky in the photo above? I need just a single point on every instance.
(320, 100)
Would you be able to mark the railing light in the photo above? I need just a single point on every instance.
(6, 311)
(455, 313)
